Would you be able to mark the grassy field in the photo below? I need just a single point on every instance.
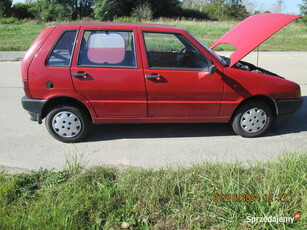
(19, 35)
(105, 198)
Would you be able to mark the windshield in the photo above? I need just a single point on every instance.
(223, 60)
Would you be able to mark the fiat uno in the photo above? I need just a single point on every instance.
(83, 73)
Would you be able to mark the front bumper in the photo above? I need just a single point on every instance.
(34, 108)
(285, 108)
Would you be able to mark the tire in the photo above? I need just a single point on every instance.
(252, 119)
(67, 123)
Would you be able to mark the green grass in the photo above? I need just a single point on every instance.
(18, 35)
(183, 198)
(293, 37)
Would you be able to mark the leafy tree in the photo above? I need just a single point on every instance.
(108, 9)
(163, 8)
(225, 9)
(21, 11)
(303, 8)
(194, 4)
(214, 11)
(50, 10)
(235, 10)
(85, 8)
(250, 6)
(5, 8)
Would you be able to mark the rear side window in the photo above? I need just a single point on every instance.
(107, 49)
(62, 51)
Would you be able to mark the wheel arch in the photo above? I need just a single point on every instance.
(57, 101)
(265, 99)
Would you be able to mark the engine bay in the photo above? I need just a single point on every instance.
(250, 67)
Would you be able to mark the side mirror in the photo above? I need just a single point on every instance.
(212, 69)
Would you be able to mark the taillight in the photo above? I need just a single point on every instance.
(26, 88)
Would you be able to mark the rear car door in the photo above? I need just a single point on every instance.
(107, 71)
(176, 76)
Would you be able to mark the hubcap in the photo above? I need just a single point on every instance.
(66, 124)
(253, 120)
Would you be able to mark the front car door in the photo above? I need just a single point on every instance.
(177, 80)
(107, 70)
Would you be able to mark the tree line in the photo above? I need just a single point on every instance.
(303, 8)
(52, 10)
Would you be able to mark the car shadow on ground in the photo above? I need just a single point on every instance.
(163, 130)
(297, 123)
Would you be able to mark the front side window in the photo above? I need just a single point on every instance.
(175, 51)
(62, 51)
(107, 49)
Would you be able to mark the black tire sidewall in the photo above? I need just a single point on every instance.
(242, 109)
(76, 111)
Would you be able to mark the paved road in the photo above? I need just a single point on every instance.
(25, 145)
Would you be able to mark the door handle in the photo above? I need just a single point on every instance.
(79, 75)
(157, 77)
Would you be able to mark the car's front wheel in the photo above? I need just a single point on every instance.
(252, 119)
(67, 123)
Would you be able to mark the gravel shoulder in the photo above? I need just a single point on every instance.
(11, 55)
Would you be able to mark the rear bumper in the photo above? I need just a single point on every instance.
(285, 108)
(34, 108)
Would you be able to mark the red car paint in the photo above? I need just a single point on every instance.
(140, 93)
(255, 30)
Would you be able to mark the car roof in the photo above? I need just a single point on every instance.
(121, 24)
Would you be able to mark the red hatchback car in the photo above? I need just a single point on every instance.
(82, 73)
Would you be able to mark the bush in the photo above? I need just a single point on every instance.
(126, 19)
(191, 13)
(225, 12)
(21, 11)
(9, 21)
(214, 12)
(106, 10)
(54, 12)
(143, 12)
(5, 8)
(141, 9)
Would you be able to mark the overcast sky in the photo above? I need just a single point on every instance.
(288, 6)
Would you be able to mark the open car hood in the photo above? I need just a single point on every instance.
(251, 32)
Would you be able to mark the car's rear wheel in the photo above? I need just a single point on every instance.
(67, 123)
(252, 119)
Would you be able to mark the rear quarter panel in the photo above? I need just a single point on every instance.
(31, 52)
(39, 73)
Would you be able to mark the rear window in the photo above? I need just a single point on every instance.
(107, 49)
(62, 51)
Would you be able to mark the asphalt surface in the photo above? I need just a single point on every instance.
(25, 145)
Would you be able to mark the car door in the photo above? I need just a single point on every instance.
(176, 76)
(107, 71)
